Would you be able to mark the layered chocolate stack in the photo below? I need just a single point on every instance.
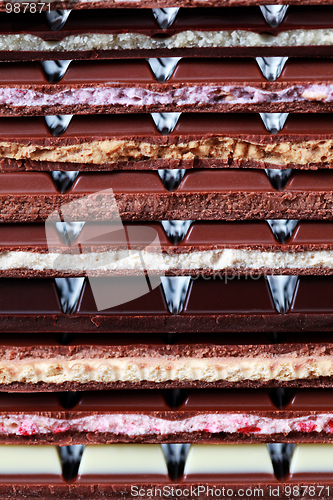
(166, 249)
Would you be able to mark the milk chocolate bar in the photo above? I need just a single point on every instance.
(199, 140)
(132, 33)
(80, 362)
(130, 86)
(215, 194)
(208, 249)
(153, 416)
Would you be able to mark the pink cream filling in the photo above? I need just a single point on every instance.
(137, 425)
(135, 96)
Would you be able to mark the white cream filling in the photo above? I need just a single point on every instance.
(185, 39)
(159, 369)
(130, 424)
(227, 258)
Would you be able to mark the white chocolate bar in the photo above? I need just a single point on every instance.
(23, 459)
(228, 459)
(312, 458)
(123, 459)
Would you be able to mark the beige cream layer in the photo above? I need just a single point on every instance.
(108, 151)
(185, 39)
(161, 369)
(215, 260)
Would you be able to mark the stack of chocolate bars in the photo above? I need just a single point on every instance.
(166, 249)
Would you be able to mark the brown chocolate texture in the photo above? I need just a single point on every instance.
(202, 195)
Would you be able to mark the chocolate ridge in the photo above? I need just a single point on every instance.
(201, 236)
(33, 130)
(202, 195)
(230, 305)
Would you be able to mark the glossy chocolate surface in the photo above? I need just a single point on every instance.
(142, 21)
(311, 399)
(25, 182)
(230, 298)
(34, 237)
(211, 181)
(132, 182)
(206, 296)
(313, 295)
(228, 400)
(154, 400)
(151, 302)
(135, 182)
(141, 127)
(201, 235)
(188, 71)
(37, 296)
(218, 297)
(139, 182)
(221, 305)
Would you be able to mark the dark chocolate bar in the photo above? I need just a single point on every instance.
(223, 304)
(189, 35)
(202, 195)
(152, 416)
(196, 85)
(203, 140)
